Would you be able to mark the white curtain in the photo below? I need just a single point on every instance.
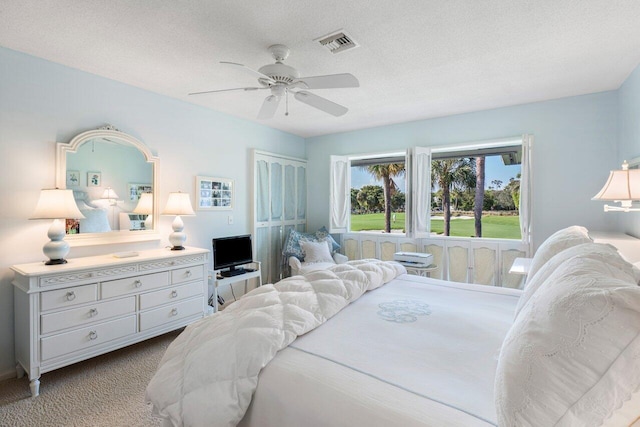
(418, 206)
(276, 191)
(525, 191)
(262, 191)
(340, 194)
(289, 192)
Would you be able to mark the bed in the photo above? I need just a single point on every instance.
(412, 351)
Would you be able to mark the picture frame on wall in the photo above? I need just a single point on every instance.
(94, 179)
(135, 190)
(214, 193)
(73, 178)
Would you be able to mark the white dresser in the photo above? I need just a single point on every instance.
(90, 306)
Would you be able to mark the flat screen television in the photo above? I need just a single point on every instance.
(230, 252)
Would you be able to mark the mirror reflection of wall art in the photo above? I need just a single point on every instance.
(94, 179)
(73, 178)
(214, 193)
(135, 190)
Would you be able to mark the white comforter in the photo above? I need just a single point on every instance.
(209, 373)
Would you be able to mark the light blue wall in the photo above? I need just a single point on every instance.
(629, 136)
(575, 146)
(42, 102)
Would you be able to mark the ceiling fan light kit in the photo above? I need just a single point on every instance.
(282, 79)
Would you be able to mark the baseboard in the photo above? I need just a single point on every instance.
(6, 375)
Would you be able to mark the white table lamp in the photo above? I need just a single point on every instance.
(56, 204)
(179, 204)
(145, 207)
(622, 186)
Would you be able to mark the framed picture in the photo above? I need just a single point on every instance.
(73, 178)
(135, 190)
(94, 179)
(214, 193)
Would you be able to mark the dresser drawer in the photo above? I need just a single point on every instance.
(68, 297)
(80, 339)
(170, 313)
(88, 314)
(173, 294)
(114, 288)
(187, 274)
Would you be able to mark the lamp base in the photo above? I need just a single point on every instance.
(176, 248)
(56, 261)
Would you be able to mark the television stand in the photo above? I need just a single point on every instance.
(247, 273)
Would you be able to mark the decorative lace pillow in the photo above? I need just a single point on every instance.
(557, 242)
(604, 252)
(572, 357)
(316, 251)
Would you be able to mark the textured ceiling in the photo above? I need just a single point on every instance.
(417, 58)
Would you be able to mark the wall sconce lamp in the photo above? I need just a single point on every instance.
(56, 204)
(179, 204)
(145, 207)
(622, 186)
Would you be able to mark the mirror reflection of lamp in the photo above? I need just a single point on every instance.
(179, 204)
(56, 204)
(145, 207)
(112, 197)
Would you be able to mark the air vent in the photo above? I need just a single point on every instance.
(337, 42)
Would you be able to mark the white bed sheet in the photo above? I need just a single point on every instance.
(363, 368)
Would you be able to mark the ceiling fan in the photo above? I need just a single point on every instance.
(282, 80)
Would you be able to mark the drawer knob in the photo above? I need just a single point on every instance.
(93, 312)
(71, 296)
(188, 273)
(93, 335)
(137, 283)
(174, 294)
(174, 312)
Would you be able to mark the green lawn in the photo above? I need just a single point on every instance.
(501, 227)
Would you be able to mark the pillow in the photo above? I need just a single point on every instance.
(572, 357)
(604, 252)
(316, 251)
(292, 244)
(557, 242)
(95, 221)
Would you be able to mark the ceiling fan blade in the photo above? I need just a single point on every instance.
(248, 70)
(227, 90)
(331, 81)
(321, 103)
(269, 107)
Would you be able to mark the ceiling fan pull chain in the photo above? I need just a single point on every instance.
(286, 100)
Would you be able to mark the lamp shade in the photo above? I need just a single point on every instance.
(109, 194)
(56, 204)
(178, 204)
(622, 184)
(145, 204)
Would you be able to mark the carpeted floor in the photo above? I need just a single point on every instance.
(107, 390)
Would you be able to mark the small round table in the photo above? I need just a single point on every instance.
(419, 270)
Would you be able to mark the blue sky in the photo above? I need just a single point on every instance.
(494, 169)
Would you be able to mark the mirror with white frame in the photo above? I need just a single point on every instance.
(114, 180)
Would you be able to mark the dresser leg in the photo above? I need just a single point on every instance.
(19, 371)
(34, 385)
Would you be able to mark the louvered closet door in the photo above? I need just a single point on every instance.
(280, 205)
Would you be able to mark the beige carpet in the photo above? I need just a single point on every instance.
(107, 390)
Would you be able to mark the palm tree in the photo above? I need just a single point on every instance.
(479, 199)
(385, 173)
(448, 172)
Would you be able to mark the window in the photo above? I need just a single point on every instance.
(436, 191)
